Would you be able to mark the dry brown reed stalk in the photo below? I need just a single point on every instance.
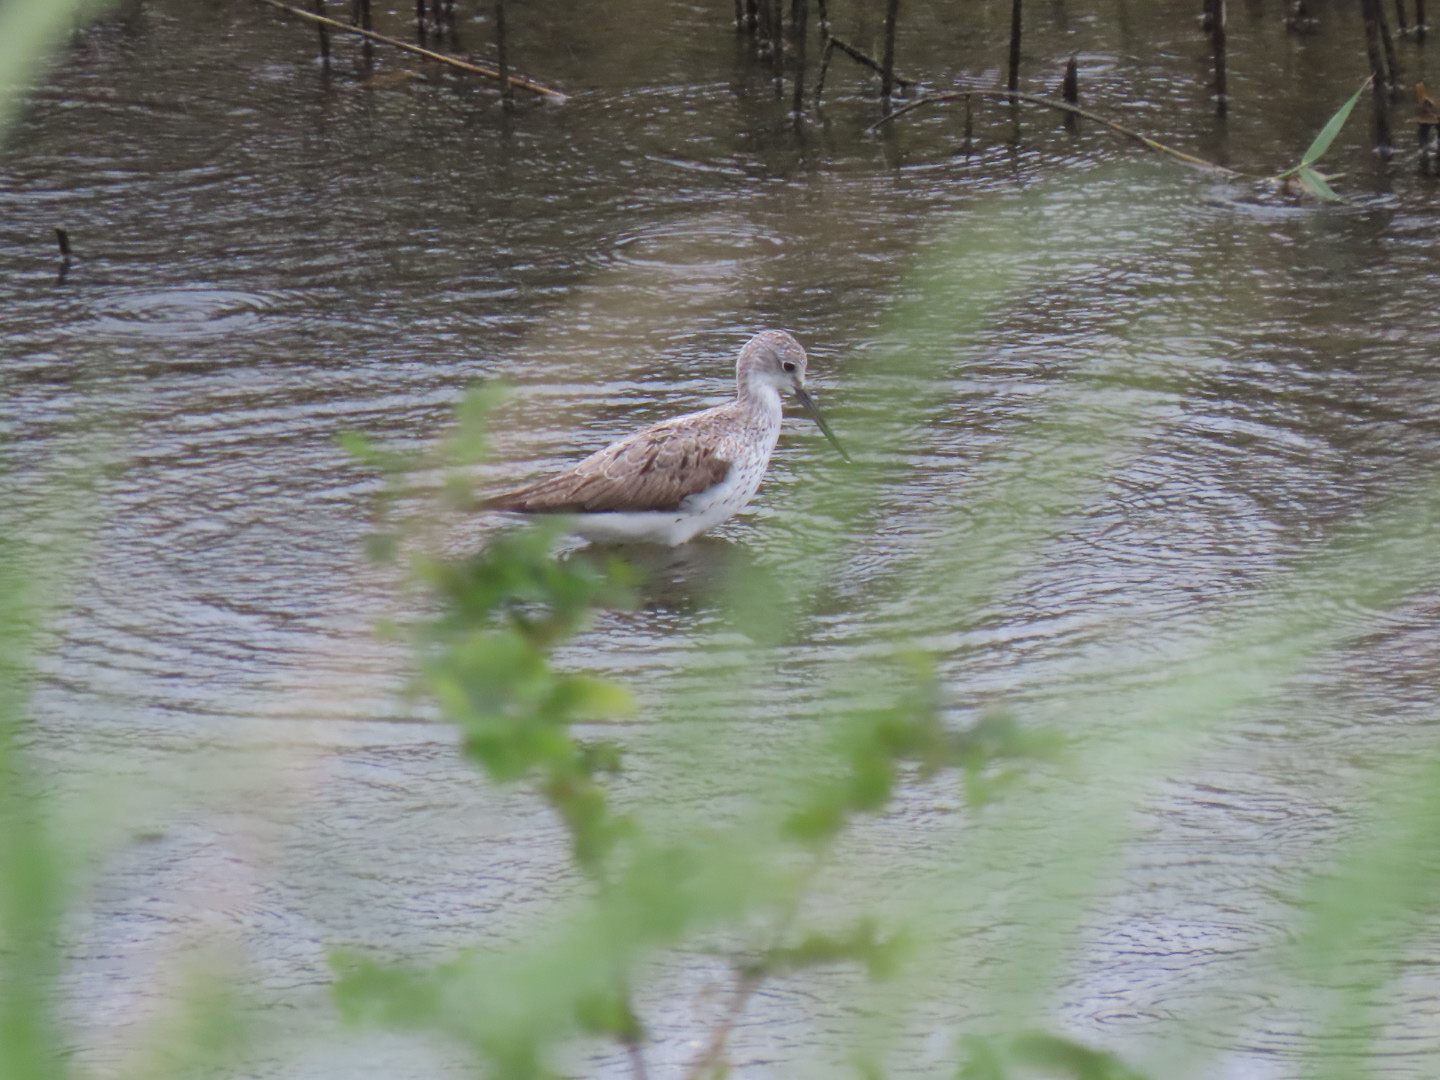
(429, 54)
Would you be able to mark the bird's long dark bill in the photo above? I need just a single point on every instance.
(814, 411)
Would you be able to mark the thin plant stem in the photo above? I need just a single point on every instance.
(1061, 106)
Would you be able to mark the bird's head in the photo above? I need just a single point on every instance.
(774, 359)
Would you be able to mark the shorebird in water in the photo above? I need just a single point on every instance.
(669, 482)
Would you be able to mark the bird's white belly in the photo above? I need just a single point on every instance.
(695, 515)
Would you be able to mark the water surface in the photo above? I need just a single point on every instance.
(268, 256)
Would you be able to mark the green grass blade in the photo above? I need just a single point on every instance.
(1329, 131)
(1315, 185)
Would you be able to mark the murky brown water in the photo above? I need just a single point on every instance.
(268, 257)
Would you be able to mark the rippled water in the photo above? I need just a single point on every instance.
(266, 258)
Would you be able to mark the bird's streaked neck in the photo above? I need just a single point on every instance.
(758, 393)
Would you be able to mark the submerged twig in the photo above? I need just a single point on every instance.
(1060, 106)
(833, 42)
(429, 54)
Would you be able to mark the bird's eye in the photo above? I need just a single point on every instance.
(789, 366)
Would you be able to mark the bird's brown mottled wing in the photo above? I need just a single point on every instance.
(654, 469)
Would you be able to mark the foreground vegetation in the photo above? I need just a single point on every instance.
(774, 884)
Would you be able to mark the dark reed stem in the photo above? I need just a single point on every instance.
(63, 239)
(1069, 91)
(739, 15)
(502, 56)
(822, 12)
(1070, 87)
(800, 39)
(318, 7)
(1420, 20)
(362, 17)
(887, 61)
(1013, 81)
(1060, 106)
(777, 39)
(1392, 62)
(762, 23)
(1370, 12)
(420, 21)
(1215, 23)
(1400, 17)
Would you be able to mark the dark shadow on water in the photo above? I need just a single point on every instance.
(689, 579)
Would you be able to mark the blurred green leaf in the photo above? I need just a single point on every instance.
(29, 31)
(1072, 1059)
(1315, 185)
(1330, 130)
